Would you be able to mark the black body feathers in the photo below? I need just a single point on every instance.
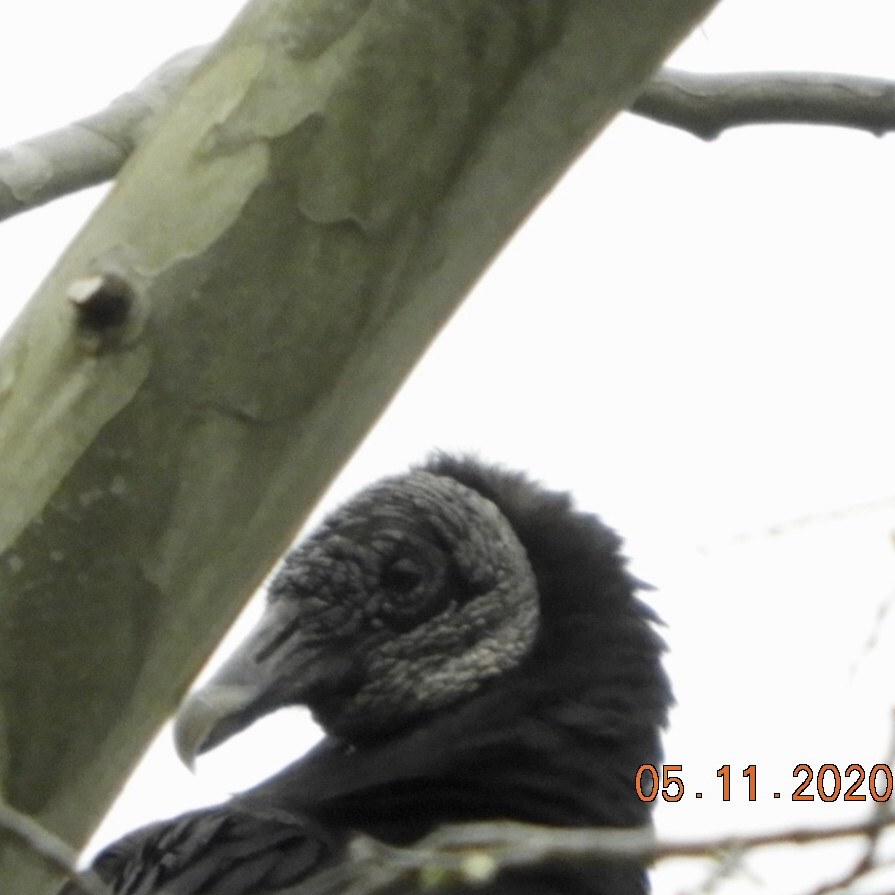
(227, 850)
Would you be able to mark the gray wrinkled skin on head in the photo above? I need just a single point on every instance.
(429, 590)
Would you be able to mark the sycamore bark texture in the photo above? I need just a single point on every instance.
(271, 263)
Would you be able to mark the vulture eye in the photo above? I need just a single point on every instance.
(401, 576)
(412, 590)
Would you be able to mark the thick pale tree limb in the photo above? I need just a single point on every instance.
(92, 150)
(268, 267)
(706, 105)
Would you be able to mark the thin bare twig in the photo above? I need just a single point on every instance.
(469, 853)
(824, 517)
(58, 854)
(868, 861)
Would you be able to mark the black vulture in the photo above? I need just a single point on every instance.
(474, 650)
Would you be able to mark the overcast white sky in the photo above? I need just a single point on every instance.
(696, 339)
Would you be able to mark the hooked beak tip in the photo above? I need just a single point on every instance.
(202, 720)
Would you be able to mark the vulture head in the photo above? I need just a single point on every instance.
(425, 589)
(406, 599)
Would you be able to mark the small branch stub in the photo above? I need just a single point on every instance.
(105, 317)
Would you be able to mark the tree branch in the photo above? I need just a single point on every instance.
(93, 149)
(41, 841)
(469, 853)
(706, 105)
(869, 859)
(798, 523)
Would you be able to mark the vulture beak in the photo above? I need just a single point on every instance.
(274, 667)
